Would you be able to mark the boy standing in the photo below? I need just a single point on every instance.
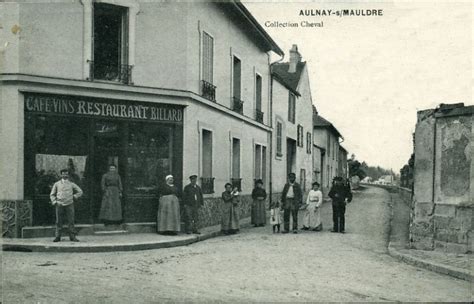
(63, 195)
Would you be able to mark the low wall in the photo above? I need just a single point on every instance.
(211, 213)
(14, 215)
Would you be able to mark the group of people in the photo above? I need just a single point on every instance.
(64, 192)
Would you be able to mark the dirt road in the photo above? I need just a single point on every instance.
(254, 265)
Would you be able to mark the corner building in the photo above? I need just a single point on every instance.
(155, 88)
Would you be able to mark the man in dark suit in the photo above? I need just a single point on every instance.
(340, 195)
(291, 199)
(193, 200)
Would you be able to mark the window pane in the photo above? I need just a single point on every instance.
(207, 57)
(149, 157)
(59, 143)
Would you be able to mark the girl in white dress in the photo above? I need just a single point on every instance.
(275, 218)
(312, 215)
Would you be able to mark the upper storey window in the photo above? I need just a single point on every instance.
(110, 40)
(291, 107)
(208, 87)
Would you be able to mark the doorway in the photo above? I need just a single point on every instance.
(108, 149)
(290, 156)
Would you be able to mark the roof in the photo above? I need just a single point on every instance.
(321, 122)
(252, 28)
(342, 148)
(289, 80)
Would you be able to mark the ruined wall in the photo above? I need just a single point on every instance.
(443, 200)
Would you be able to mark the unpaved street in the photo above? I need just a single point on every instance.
(254, 265)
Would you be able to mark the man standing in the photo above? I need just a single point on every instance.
(340, 195)
(62, 196)
(291, 198)
(193, 200)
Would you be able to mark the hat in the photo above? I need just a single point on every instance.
(193, 176)
(168, 177)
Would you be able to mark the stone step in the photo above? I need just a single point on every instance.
(110, 232)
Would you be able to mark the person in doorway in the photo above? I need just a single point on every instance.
(62, 196)
(230, 210)
(291, 199)
(168, 218)
(258, 214)
(193, 200)
(312, 216)
(111, 208)
(340, 195)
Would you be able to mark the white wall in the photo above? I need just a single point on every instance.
(304, 117)
(224, 128)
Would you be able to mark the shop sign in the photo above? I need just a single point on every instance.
(101, 107)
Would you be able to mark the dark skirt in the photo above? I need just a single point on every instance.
(111, 208)
(168, 218)
(258, 215)
(230, 218)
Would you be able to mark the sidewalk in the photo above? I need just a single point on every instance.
(456, 265)
(109, 243)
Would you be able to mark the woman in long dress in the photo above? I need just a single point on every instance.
(259, 215)
(312, 215)
(111, 208)
(168, 219)
(230, 210)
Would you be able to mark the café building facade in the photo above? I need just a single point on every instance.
(154, 88)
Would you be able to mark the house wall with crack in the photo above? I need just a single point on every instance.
(443, 200)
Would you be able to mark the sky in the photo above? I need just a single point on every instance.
(370, 75)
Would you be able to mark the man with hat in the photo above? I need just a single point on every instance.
(340, 194)
(291, 199)
(192, 198)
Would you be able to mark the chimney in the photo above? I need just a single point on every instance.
(295, 58)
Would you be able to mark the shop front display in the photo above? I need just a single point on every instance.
(86, 135)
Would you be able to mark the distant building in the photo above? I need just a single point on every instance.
(326, 142)
(342, 170)
(292, 122)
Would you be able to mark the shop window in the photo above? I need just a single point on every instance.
(207, 180)
(236, 180)
(208, 88)
(291, 107)
(110, 44)
(59, 144)
(149, 157)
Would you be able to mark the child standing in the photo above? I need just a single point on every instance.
(275, 218)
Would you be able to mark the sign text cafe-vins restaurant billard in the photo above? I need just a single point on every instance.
(85, 135)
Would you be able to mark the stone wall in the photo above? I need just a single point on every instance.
(14, 215)
(443, 198)
(211, 213)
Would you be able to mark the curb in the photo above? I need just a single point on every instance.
(92, 248)
(439, 268)
(393, 251)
